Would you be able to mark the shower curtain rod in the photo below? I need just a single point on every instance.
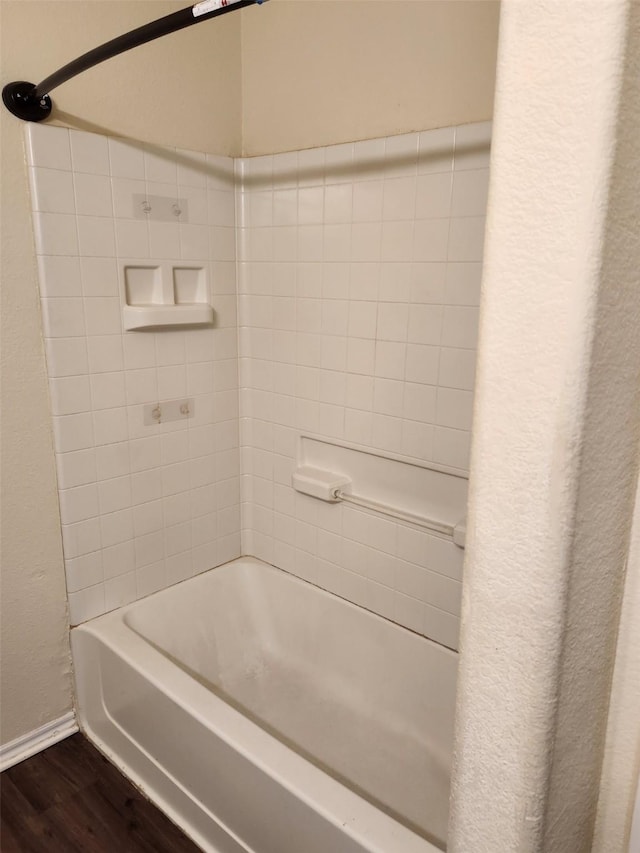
(31, 102)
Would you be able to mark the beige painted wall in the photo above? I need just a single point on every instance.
(181, 90)
(155, 94)
(317, 72)
(35, 666)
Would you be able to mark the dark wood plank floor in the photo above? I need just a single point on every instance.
(70, 798)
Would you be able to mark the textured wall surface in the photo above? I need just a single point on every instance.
(36, 665)
(556, 434)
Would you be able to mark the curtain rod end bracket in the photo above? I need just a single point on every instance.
(18, 98)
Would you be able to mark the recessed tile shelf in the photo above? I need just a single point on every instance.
(157, 295)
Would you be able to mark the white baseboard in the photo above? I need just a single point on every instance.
(27, 745)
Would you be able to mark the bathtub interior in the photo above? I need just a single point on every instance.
(368, 702)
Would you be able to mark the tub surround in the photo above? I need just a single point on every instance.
(142, 506)
(356, 309)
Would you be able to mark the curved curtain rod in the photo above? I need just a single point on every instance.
(31, 102)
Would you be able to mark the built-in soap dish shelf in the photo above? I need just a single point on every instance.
(166, 294)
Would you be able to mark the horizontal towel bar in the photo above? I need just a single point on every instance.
(401, 515)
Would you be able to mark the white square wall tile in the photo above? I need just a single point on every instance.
(139, 350)
(70, 395)
(108, 390)
(142, 386)
(452, 447)
(126, 159)
(145, 453)
(164, 239)
(463, 283)
(470, 193)
(431, 240)
(77, 468)
(148, 517)
(89, 152)
(368, 158)
(220, 172)
(388, 396)
(397, 241)
(428, 283)
(338, 203)
(80, 538)
(52, 191)
(368, 201)
(433, 196)
(473, 145)
(73, 432)
(160, 165)
(116, 527)
(96, 236)
(419, 402)
(401, 155)
(102, 315)
(149, 549)
(425, 324)
(387, 433)
(114, 494)
(422, 364)
(460, 327)
(361, 356)
(338, 163)
(99, 276)
(86, 604)
(457, 368)
(56, 234)
(466, 238)
(399, 199)
(112, 460)
(390, 359)
(435, 150)
(105, 353)
(48, 146)
(150, 578)
(79, 503)
(454, 408)
(192, 168)
(66, 356)
(119, 591)
(110, 426)
(93, 195)
(59, 276)
(63, 317)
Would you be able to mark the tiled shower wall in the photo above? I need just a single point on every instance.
(142, 506)
(359, 269)
(359, 289)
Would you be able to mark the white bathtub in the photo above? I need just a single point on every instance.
(264, 714)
